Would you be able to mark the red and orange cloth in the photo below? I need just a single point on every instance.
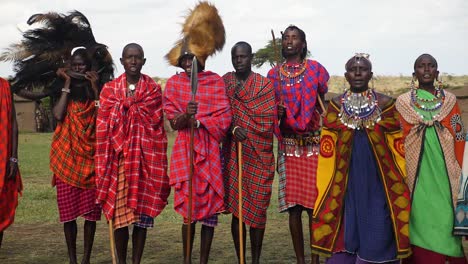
(214, 115)
(254, 109)
(9, 189)
(132, 127)
(73, 145)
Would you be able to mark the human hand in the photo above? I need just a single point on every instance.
(62, 73)
(192, 108)
(281, 111)
(12, 169)
(93, 77)
(240, 133)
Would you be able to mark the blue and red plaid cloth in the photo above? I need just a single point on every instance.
(300, 99)
(132, 126)
(214, 114)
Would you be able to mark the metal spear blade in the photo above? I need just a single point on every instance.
(194, 77)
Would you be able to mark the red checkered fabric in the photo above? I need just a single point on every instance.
(211, 221)
(9, 190)
(297, 181)
(74, 202)
(253, 108)
(73, 145)
(300, 99)
(214, 115)
(132, 126)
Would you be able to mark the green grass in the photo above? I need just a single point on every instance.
(37, 236)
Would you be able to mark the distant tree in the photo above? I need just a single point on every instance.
(267, 54)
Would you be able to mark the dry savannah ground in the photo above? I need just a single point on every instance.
(37, 237)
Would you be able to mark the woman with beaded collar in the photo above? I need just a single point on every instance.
(299, 84)
(434, 143)
(361, 211)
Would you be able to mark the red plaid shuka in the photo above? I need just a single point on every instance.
(73, 146)
(133, 127)
(253, 108)
(214, 115)
(301, 98)
(9, 190)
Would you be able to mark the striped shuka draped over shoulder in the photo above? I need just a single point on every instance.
(9, 190)
(73, 145)
(214, 115)
(253, 108)
(132, 127)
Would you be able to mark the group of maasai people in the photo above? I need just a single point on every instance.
(380, 179)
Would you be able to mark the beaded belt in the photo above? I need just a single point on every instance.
(302, 140)
(293, 144)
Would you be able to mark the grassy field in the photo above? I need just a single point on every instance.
(37, 236)
(391, 85)
(394, 85)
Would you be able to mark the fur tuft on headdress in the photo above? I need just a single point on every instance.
(202, 35)
(48, 47)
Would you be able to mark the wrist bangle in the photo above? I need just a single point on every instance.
(66, 90)
(234, 130)
(198, 123)
(96, 103)
(14, 160)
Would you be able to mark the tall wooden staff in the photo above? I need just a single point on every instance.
(194, 86)
(241, 231)
(278, 62)
(112, 241)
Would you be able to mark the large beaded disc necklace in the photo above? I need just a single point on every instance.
(292, 74)
(428, 105)
(359, 110)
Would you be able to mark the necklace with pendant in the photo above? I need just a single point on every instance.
(131, 89)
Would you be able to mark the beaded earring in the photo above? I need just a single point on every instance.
(413, 86)
(439, 84)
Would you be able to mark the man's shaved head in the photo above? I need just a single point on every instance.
(133, 45)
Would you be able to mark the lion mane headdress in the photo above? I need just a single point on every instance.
(48, 46)
(202, 35)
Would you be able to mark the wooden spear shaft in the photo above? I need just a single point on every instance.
(189, 217)
(112, 241)
(241, 231)
(193, 87)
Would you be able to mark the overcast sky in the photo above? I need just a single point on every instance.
(393, 32)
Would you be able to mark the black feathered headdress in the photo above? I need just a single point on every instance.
(48, 47)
